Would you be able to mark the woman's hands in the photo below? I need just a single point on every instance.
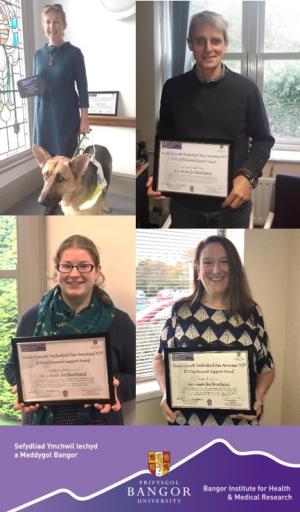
(159, 372)
(19, 406)
(263, 382)
(84, 121)
(104, 409)
(258, 408)
(167, 412)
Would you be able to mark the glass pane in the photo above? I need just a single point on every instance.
(282, 26)
(232, 12)
(234, 65)
(282, 98)
(8, 243)
(13, 109)
(8, 325)
(164, 274)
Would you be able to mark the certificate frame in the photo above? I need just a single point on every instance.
(210, 189)
(103, 103)
(38, 344)
(219, 349)
(31, 86)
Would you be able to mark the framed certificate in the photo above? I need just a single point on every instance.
(197, 167)
(31, 86)
(64, 369)
(211, 379)
(103, 103)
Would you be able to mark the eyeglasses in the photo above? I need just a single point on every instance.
(83, 268)
(58, 7)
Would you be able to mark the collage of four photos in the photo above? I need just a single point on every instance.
(149, 213)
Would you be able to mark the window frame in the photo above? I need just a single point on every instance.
(31, 281)
(234, 235)
(31, 275)
(29, 48)
(253, 56)
(31, 284)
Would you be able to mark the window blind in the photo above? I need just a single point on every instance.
(164, 274)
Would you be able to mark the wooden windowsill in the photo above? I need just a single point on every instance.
(125, 122)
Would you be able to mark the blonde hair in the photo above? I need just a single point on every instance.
(57, 8)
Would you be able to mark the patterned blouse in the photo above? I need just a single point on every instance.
(197, 325)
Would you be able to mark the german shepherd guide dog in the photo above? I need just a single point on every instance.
(76, 184)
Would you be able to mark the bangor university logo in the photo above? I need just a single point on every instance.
(159, 463)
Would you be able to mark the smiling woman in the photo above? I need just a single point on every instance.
(219, 313)
(78, 305)
(213, 272)
(61, 111)
(76, 275)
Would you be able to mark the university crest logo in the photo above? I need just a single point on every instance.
(159, 463)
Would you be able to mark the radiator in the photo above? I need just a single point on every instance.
(262, 200)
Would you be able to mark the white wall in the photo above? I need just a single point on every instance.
(115, 239)
(145, 79)
(266, 256)
(121, 144)
(109, 49)
(291, 381)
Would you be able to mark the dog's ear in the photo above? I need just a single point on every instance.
(40, 154)
(79, 164)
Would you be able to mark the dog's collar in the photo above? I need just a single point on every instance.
(91, 201)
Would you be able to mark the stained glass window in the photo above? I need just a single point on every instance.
(14, 127)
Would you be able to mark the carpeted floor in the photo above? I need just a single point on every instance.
(120, 205)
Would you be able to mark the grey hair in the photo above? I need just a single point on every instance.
(210, 18)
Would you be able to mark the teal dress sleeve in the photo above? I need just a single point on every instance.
(81, 80)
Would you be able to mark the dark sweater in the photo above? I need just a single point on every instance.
(229, 109)
(122, 338)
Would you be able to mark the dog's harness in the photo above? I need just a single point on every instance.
(80, 147)
(101, 185)
(101, 181)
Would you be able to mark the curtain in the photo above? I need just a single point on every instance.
(179, 26)
(170, 33)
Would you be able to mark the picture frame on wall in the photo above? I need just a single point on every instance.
(103, 103)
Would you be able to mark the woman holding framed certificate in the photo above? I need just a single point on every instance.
(217, 366)
(203, 110)
(60, 113)
(72, 347)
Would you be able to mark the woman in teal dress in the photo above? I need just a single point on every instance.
(61, 111)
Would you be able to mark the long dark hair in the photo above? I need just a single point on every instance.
(82, 242)
(239, 298)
